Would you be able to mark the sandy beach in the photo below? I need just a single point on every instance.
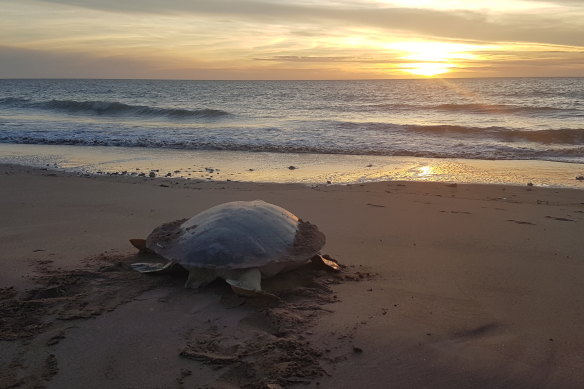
(446, 286)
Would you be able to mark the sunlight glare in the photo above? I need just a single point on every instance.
(427, 68)
(425, 171)
(434, 57)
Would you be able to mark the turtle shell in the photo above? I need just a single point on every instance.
(237, 235)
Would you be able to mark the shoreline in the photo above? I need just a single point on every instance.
(308, 169)
(447, 285)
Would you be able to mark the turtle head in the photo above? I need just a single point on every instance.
(140, 244)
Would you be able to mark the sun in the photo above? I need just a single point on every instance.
(431, 58)
(428, 69)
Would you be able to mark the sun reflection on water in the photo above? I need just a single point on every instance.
(425, 171)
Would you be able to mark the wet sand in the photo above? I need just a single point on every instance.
(286, 168)
(445, 286)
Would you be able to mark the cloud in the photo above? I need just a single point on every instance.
(295, 58)
(26, 63)
(553, 29)
(315, 59)
(576, 3)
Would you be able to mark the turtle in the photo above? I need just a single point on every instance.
(239, 241)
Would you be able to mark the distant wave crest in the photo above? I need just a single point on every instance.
(13, 101)
(112, 108)
(495, 108)
(489, 109)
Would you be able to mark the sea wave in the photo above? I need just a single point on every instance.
(498, 108)
(112, 108)
(492, 109)
(567, 136)
(563, 136)
(13, 101)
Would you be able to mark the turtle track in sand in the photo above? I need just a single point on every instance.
(39, 318)
(269, 347)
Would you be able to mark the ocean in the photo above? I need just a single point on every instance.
(507, 119)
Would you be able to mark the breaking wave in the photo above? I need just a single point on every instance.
(112, 108)
(496, 153)
(438, 141)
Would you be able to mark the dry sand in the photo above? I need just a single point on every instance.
(445, 286)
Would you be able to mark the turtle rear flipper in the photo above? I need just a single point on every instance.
(325, 263)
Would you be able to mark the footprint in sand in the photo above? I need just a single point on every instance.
(521, 222)
(562, 219)
(476, 332)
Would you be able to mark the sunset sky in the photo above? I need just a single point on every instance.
(282, 39)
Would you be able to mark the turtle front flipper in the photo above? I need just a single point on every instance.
(156, 267)
(246, 282)
(199, 277)
(247, 279)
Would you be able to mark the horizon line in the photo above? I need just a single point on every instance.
(275, 79)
